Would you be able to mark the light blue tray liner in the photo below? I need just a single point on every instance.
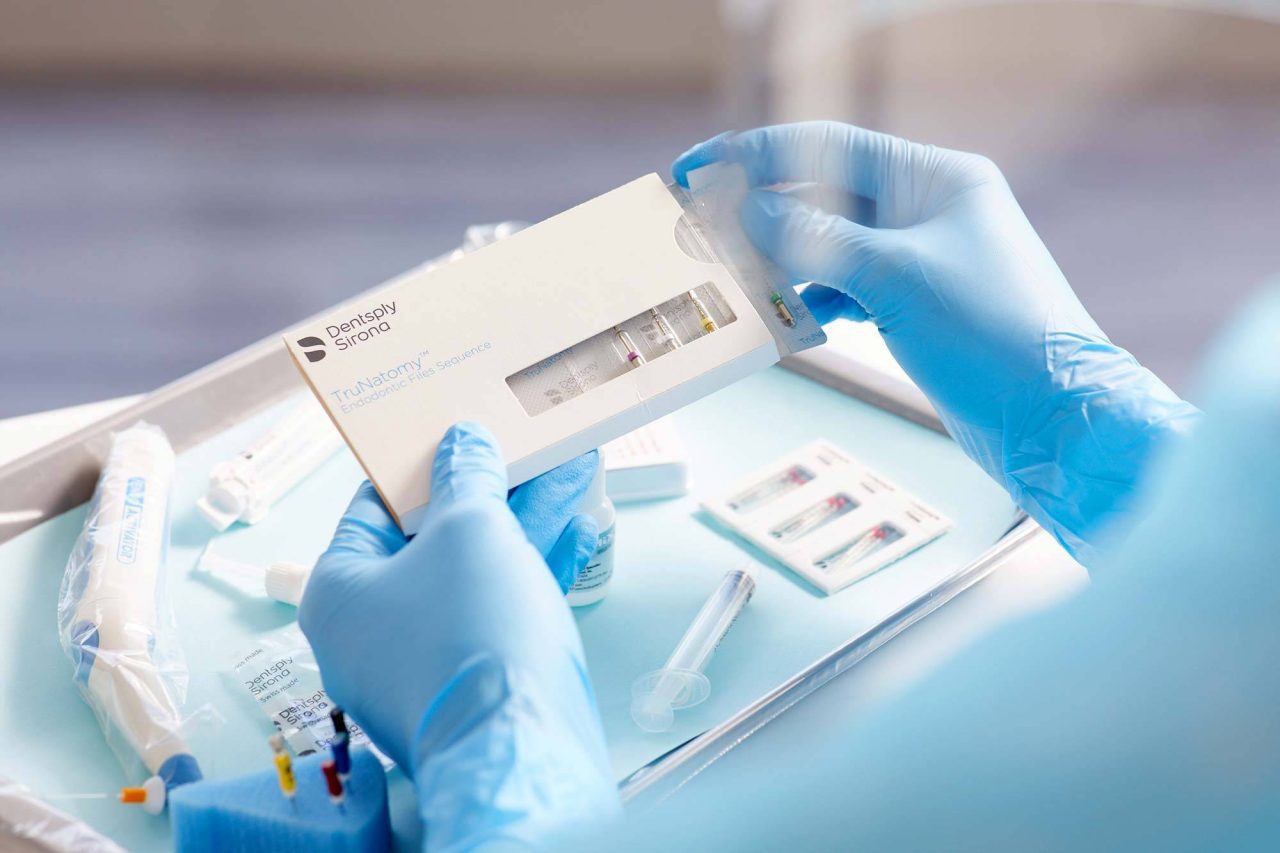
(669, 558)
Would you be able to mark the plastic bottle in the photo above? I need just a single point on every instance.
(593, 581)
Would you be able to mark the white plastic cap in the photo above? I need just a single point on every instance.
(596, 493)
(285, 581)
(223, 504)
(156, 795)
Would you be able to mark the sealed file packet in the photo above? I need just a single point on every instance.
(826, 516)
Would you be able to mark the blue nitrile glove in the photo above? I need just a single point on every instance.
(457, 653)
(971, 304)
(546, 508)
(1139, 715)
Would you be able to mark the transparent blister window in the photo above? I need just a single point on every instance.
(616, 351)
(813, 517)
(769, 490)
(859, 548)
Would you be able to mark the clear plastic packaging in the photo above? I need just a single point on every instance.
(711, 230)
(770, 488)
(811, 518)
(245, 487)
(615, 351)
(280, 674)
(113, 616)
(707, 232)
(826, 516)
(28, 823)
(859, 548)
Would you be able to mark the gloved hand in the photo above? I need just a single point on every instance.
(1137, 715)
(547, 507)
(458, 655)
(971, 304)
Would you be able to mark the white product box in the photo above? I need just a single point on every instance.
(558, 338)
(646, 464)
(826, 516)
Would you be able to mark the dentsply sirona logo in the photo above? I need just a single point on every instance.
(309, 343)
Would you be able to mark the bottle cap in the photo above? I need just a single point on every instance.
(286, 581)
(596, 490)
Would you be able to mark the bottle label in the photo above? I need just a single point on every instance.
(599, 568)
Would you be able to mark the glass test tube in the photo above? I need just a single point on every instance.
(860, 548)
(774, 487)
(810, 519)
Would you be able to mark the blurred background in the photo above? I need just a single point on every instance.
(179, 180)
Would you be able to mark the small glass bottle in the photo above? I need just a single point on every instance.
(593, 581)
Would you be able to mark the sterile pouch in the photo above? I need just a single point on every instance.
(114, 619)
(280, 674)
(826, 516)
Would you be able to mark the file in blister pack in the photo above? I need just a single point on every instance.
(826, 516)
(559, 338)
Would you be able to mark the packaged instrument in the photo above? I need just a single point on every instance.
(559, 338)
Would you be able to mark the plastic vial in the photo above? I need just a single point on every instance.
(593, 581)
